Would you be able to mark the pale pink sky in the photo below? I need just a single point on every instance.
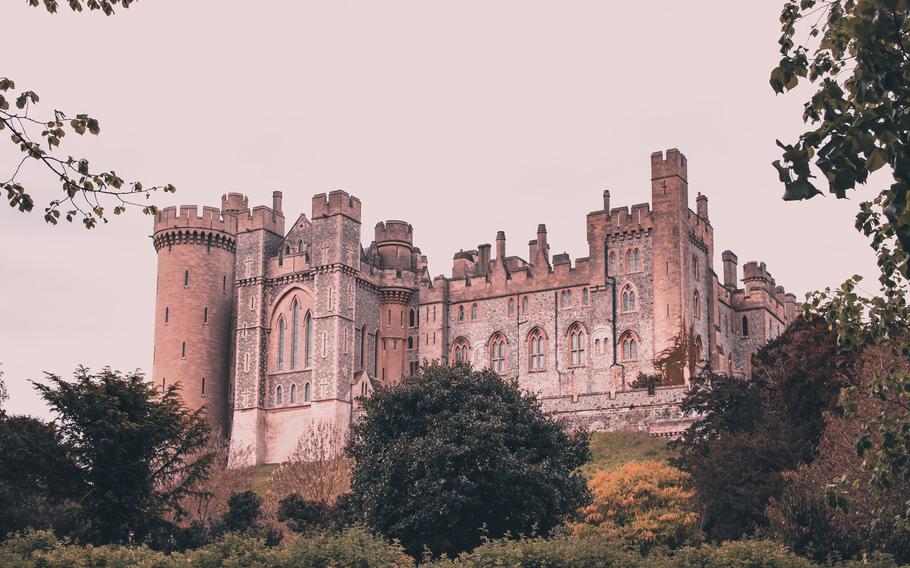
(462, 118)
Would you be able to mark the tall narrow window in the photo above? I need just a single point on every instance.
(186, 278)
(577, 342)
(358, 348)
(473, 311)
(306, 392)
(183, 350)
(325, 343)
(295, 332)
(205, 316)
(410, 342)
(498, 353)
(281, 332)
(611, 264)
(224, 283)
(460, 313)
(389, 318)
(411, 318)
(308, 339)
(628, 299)
(401, 319)
(293, 394)
(203, 386)
(511, 306)
(278, 395)
(524, 305)
(696, 301)
(694, 267)
(629, 345)
(376, 353)
(745, 326)
(536, 351)
(167, 314)
(584, 296)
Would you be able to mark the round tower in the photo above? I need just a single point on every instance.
(194, 303)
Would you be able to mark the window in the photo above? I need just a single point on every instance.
(611, 264)
(183, 350)
(536, 351)
(696, 301)
(360, 339)
(628, 299)
(577, 341)
(566, 298)
(511, 306)
(461, 351)
(376, 353)
(281, 331)
(293, 394)
(460, 313)
(401, 319)
(306, 392)
(389, 318)
(252, 303)
(295, 333)
(633, 261)
(410, 342)
(205, 316)
(599, 346)
(411, 318)
(278, 395)
(167, 314)
(745, 326)
(524, 305)
(203, 386)
(308, 340)
(694, 267)
(473, 311)
(224, 283)
(498, 353)
(584, 296)
(287, 249)
(629, 346)
(186, 278)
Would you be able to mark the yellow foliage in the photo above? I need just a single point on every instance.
(642, 504)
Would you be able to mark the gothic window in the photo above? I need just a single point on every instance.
(410, 342)
(566, 298)
(300, 246)
(306, 392)
(745, 326)
(511, 306)
(473, 311)
(629, 344)
(308, 340)
(611, 264)
(696, 301)
(628, 299)
(295, 333)
(577, 341)
(460, 313)
(281, 328)
(537, 354)
(584, 296)
(293, 394)
(461, 351)
(524, 305)
(633, 261)
(278, 395)
(498, 353)
(411, 318)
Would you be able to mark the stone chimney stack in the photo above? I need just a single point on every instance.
(730, 262)
(607, 202)
(501, 246)
(484, 261)
(542, 249)
(276, 202)
(701, 206)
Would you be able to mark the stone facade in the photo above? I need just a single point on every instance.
(274, 328)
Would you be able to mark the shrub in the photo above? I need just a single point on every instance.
(738, 554)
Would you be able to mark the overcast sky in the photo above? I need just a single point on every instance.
(462, 118)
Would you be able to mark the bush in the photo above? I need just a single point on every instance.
(739, 554)
(551, 553)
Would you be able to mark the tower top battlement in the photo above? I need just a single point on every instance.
(187, 217)
(393, 230)
(337, 202)
(673, 165)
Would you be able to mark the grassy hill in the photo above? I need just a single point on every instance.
(612, 449)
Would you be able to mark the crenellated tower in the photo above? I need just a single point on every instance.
(194, 305)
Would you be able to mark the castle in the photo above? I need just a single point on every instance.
(273, 328)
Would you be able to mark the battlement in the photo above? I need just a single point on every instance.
(674, 164)
(234, 202)
(638, 214)
(261, 217)
(187, 217)
(337, 202)
(753, 270)
(394, 231)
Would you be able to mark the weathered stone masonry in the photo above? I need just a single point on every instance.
(274, 328)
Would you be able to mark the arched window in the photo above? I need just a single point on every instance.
(629, 346)
(411, 318)
(611, 264)
(461, 351)
(584, 296)
(628, 299)
(537, 351)
(293, 394)
(306, 392)
(295, 332)
(279, 398)
(300, 246)
(281, 328)
(511, 306)
(498, 353)
(696, 301)
(410, 342)
(633, 261)
(473, 311)
(694, 267)
(460, 313)
(745, 326)
(524, 305)
(599, 346)
(308, 339)
(577, 342)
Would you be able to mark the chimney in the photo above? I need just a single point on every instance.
(484, 262)
(730, 262)
(607, 202)
(701, 206)
(501, 246)
(542, 248)
(276, 201)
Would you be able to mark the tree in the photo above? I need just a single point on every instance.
(317, 469)
(450, 453)
(244, 510)
(4, 396)
(857, 53)
(644, 505)
(138, 450)
(85, 190)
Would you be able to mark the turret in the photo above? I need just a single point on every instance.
(730, 262)
(701, 206)
(394, 242)
(194, 302)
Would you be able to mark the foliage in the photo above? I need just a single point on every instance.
(555, 552)
(450, 451)
(139, 451)
(678, 362)
(751, 553)
(643, 505)
(317, 468)
(209, 501)
(302, 515)
(649, 381)
(85, 190)
(244, 510)
(857, 54)
(39, 479)
(4, 395)
(610, 450)
(749, 432)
